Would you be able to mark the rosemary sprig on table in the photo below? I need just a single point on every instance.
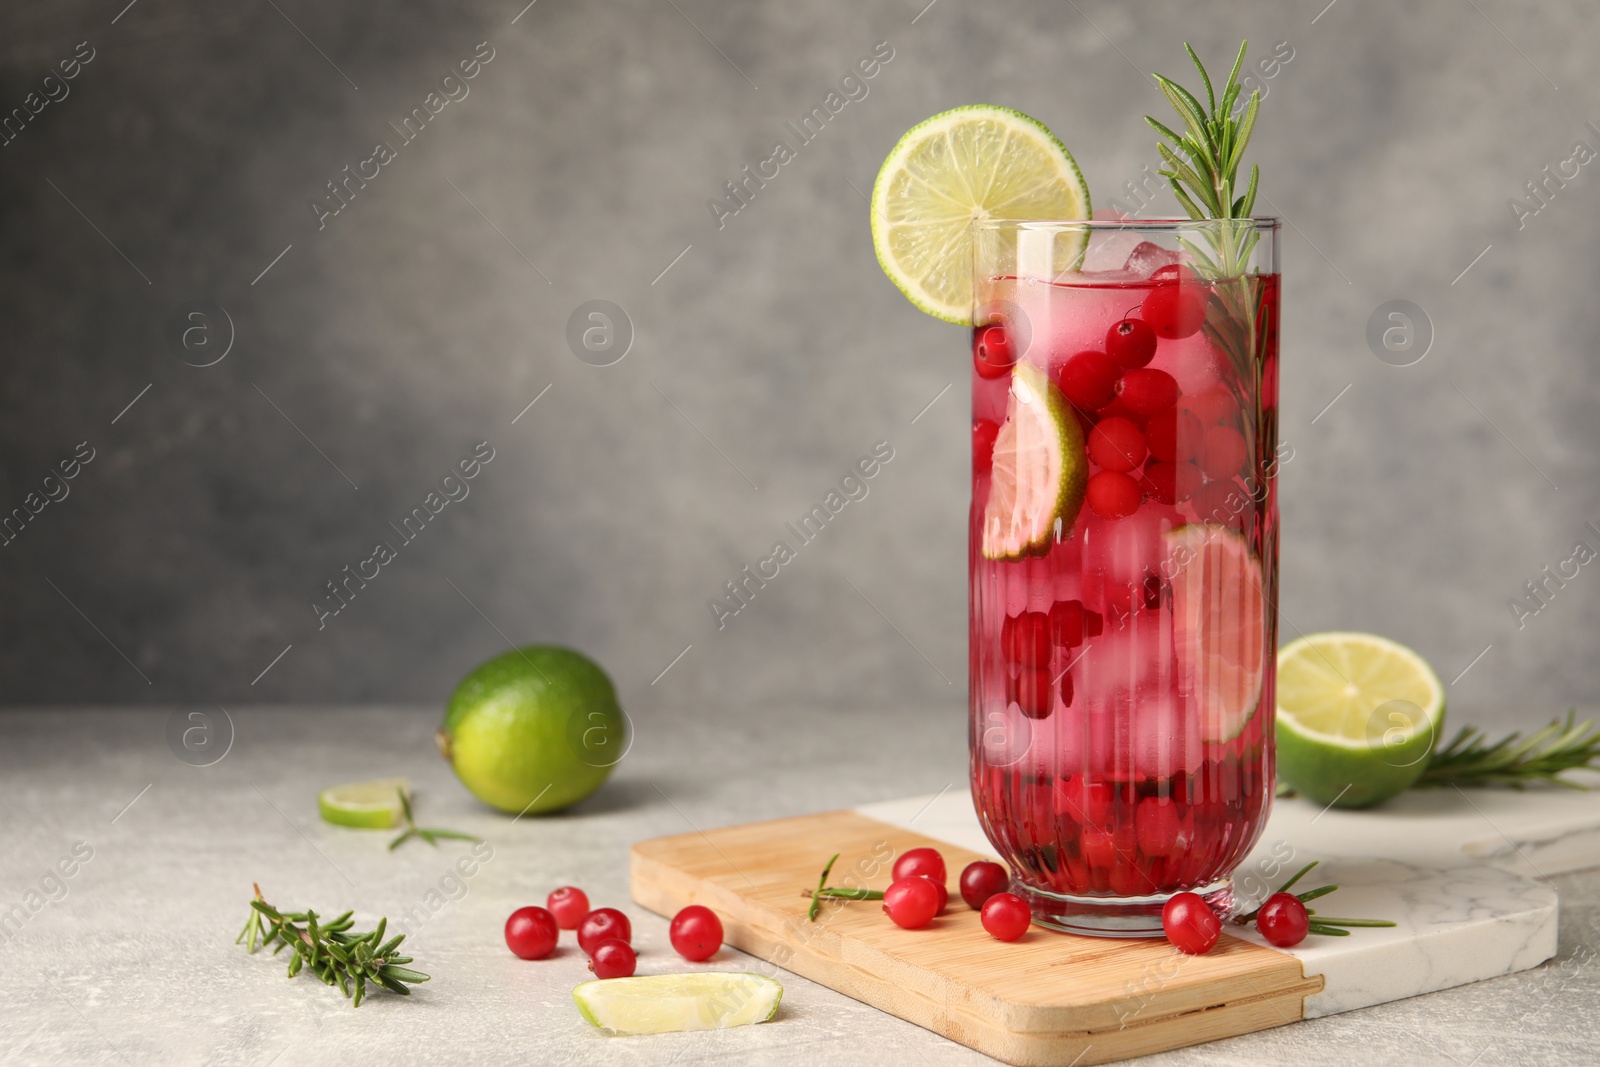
(1516, 761)
(1325, 925)
(333, 954)
(413, 830)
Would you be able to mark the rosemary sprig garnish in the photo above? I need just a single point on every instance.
(1205, 176)
(1214, 142)
(1202, 169)
(1320, 924)
(431, 836)
(333, 954)
(1514, 760)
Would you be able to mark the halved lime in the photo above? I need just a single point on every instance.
(667, 1003)
(373, 805)
(1040, 469)
(1218, 623)
(1358, 715)
(973, 162)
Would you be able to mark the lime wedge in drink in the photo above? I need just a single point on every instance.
(1218, 620)
(373, 805)
(1358, 715)
(666, 1003)
(1036, 486)
(974, 162)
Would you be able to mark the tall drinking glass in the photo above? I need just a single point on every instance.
(1123, 559)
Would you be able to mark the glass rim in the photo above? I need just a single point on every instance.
(1166, 225)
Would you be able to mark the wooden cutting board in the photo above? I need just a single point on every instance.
(1048, 999)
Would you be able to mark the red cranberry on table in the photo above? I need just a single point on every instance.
(601, 924)
(531, 933)
(570, 905)
(613, 958)
(696, 933)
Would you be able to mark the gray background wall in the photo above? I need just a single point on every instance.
(770, 356)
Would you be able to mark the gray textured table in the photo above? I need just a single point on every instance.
(131, 959)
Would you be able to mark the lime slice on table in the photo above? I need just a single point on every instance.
(1358, 715)
(979, 161)
(1040, 469)
(1218, 622)
(667, 1003)
(373, 805)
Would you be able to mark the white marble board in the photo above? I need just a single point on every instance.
(1462, 872)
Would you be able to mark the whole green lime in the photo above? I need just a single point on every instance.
(535, 730)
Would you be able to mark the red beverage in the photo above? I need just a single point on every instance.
(1123, 561)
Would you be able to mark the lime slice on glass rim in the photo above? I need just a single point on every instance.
(973, 162)
(1040, 469)
(1219, 624)
(668, 1003)
(1358, 715)
(373, 805)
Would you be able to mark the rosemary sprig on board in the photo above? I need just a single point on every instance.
(816, 899)
(1327, 926)
(330, 950)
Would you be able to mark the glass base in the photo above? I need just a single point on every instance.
(1114, 916)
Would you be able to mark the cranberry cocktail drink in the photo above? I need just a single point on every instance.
(1124, 527)
(1123, 558)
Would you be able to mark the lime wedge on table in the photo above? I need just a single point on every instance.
(373, 805)
(667, 1003)
(1039, 469)
(972, 162)
(1218, 623)
(1358, 715)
